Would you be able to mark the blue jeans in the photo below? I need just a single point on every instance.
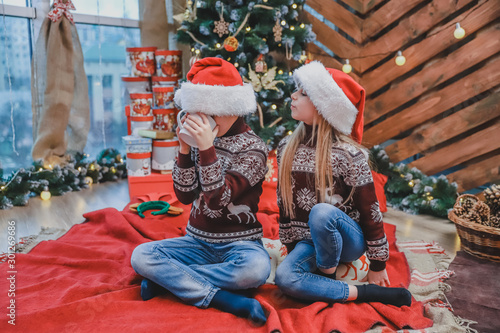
(195, 270)
(335, 238)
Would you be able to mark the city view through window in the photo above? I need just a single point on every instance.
(104, 62)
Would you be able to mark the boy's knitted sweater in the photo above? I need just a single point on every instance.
(350, 171)
(223, 184)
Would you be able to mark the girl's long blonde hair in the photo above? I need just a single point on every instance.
(323, 136)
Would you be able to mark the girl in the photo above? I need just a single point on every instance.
(328, 209)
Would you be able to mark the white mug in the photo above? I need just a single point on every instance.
(184, 134)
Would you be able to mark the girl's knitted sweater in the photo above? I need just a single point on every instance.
(350, 172)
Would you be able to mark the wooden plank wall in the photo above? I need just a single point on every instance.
(440, 111)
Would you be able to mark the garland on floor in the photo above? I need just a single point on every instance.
(77, 174)
(409, 190)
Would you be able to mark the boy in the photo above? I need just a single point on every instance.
(222, 178)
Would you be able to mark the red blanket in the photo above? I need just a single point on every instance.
(83, 282)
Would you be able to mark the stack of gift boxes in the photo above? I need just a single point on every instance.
(148, 94)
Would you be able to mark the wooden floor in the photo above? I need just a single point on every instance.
(64, 211)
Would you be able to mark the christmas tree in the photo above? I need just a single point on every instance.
(265, 40)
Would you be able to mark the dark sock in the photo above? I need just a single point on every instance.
(238, 305)
(374, 293)
(149, 289)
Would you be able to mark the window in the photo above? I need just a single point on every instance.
(105, 29)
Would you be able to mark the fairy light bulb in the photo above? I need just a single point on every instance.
(292, 28)
(45, 194)
(197, 51)
(411, 183)
(400, 59)
(294, 6)
(459, 32)
(280, 71)
(218, 45)
(283, 22)
(88, 180)
(236, 64)
(248, 29)
(347, 68)
(290, 133)
(302, 25)
(274, 107)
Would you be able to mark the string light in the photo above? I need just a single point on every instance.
(294, 6)
(3, 188)
(274, 107)
(283, 22)
(400, 59)
(289, 132)
(192, 49)
(197, 51)
(45, 194)
(302, 25)
(411, 183)
(290, 73)
(347, 68)
(88, 180)
(248, 29)
(280, 71)
(236, 64)
(218, 45)
(459, 32)
(292, 28)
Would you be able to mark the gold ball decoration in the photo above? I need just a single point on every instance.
(231, 44)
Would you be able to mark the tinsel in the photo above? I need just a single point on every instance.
(411, 191)
(75, 175)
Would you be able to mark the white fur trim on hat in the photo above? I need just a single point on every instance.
(216, 100)
(327, 96)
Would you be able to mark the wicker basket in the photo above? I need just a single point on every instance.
(477, 239)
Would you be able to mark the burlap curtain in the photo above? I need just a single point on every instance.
(60, 101)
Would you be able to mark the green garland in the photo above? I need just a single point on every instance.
(78, 173)
(409, 190)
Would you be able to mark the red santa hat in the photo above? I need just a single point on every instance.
(336, 96)
(215, 88)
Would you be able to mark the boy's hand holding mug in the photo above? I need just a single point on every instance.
(195, 130)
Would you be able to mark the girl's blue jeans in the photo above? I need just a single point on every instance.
(195, 270)
(335, 238)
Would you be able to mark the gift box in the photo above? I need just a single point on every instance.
(164, 153)
(134, 85)
(165, 119)
(137, 144)
(141, 104)
(169, 63)
(161, 81)
(138, 123)
(154, 183)
(139, 164)
(163, 97)
(141, 61)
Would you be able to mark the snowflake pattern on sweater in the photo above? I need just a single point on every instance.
(224, 184)
(350, 171)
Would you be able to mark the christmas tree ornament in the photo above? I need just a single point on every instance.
(221, 26)
(266, 81)
(303, 57)
(45, 194)
(231, 44)
(400, 59)
(459, 32)
(260, 64)
(277, 30)
(347, 68)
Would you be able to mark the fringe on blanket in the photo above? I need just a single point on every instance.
(429, 264)
(26, 244)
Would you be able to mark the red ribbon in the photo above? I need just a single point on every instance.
(59, 8)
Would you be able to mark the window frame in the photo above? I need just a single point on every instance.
(31, 13)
